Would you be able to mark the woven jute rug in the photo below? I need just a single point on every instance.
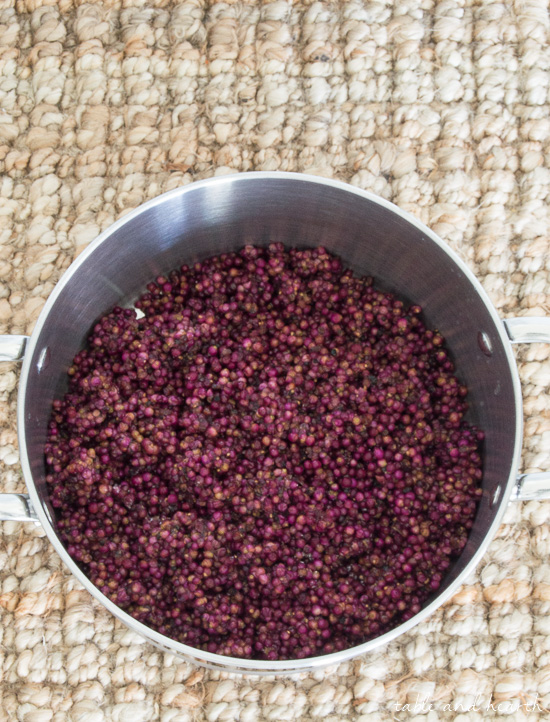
(441, 107)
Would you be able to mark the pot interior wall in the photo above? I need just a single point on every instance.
(206, 219)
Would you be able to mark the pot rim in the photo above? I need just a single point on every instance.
(210, 659)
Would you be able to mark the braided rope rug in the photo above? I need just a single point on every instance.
(441, 107)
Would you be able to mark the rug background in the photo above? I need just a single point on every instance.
(441, 107)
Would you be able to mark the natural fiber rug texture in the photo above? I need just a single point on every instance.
(441, 107)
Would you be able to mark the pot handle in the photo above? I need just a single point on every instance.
(530, 329)
(12, 348)
(17, 507)
(524, 329)
(532, 487)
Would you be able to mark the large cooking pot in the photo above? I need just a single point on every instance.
(374, 238)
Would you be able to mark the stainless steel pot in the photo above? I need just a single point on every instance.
(374, 238)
